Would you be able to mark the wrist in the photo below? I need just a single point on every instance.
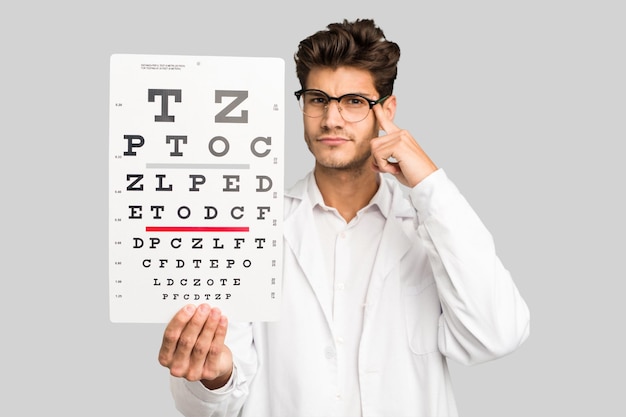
(219, 382)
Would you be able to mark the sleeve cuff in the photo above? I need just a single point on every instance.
(205, 394)
(433, 193)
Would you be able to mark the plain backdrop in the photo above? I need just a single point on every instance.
(522, 103)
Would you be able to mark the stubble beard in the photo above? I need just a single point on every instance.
(330, 161)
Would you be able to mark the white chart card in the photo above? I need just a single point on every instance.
(196, 176)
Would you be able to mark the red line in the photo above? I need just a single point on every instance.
(196, 229)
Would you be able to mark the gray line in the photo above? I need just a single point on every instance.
(199, 166)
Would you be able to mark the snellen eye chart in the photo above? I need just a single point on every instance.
(196, 176)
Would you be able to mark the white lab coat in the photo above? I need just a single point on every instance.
(437, 291)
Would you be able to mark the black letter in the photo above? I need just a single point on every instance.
(232, 183)
(137, 178)
(164, 116)
(132, 144)
(169, 138)
(196, 179)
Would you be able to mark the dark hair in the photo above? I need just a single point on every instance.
(359, 44)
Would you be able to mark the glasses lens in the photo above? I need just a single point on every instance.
(313, 103)
(354, 108)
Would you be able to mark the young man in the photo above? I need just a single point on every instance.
(379, 289)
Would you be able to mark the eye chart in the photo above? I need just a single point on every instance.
(196, 179)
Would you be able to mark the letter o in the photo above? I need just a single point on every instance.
(184, 212)
(212, 144)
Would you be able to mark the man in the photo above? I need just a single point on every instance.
(379, 289)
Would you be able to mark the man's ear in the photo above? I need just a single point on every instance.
(389, 105)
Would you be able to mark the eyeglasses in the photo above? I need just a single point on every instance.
(352, 107)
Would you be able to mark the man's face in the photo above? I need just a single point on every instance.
(334, 142)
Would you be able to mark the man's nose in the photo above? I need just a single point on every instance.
(333, 112)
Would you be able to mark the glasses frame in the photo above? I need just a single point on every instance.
(371, 102)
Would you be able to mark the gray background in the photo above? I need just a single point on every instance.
(522, 103)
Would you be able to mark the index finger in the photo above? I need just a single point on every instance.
(384, 121)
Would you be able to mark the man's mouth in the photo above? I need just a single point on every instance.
(332, 140)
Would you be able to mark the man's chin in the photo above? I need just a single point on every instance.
(345, 164)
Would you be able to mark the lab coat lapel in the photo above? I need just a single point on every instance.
(302, 238)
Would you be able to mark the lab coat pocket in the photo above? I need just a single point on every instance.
(422, 310)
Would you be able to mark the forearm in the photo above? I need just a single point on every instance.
(484, 316)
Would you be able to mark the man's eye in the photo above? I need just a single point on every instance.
(321, 100)
(354, 101)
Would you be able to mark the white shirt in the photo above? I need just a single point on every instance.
(349, 252)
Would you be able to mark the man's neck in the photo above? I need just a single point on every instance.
(348, 191)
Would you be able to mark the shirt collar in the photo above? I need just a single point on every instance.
(381, 200)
